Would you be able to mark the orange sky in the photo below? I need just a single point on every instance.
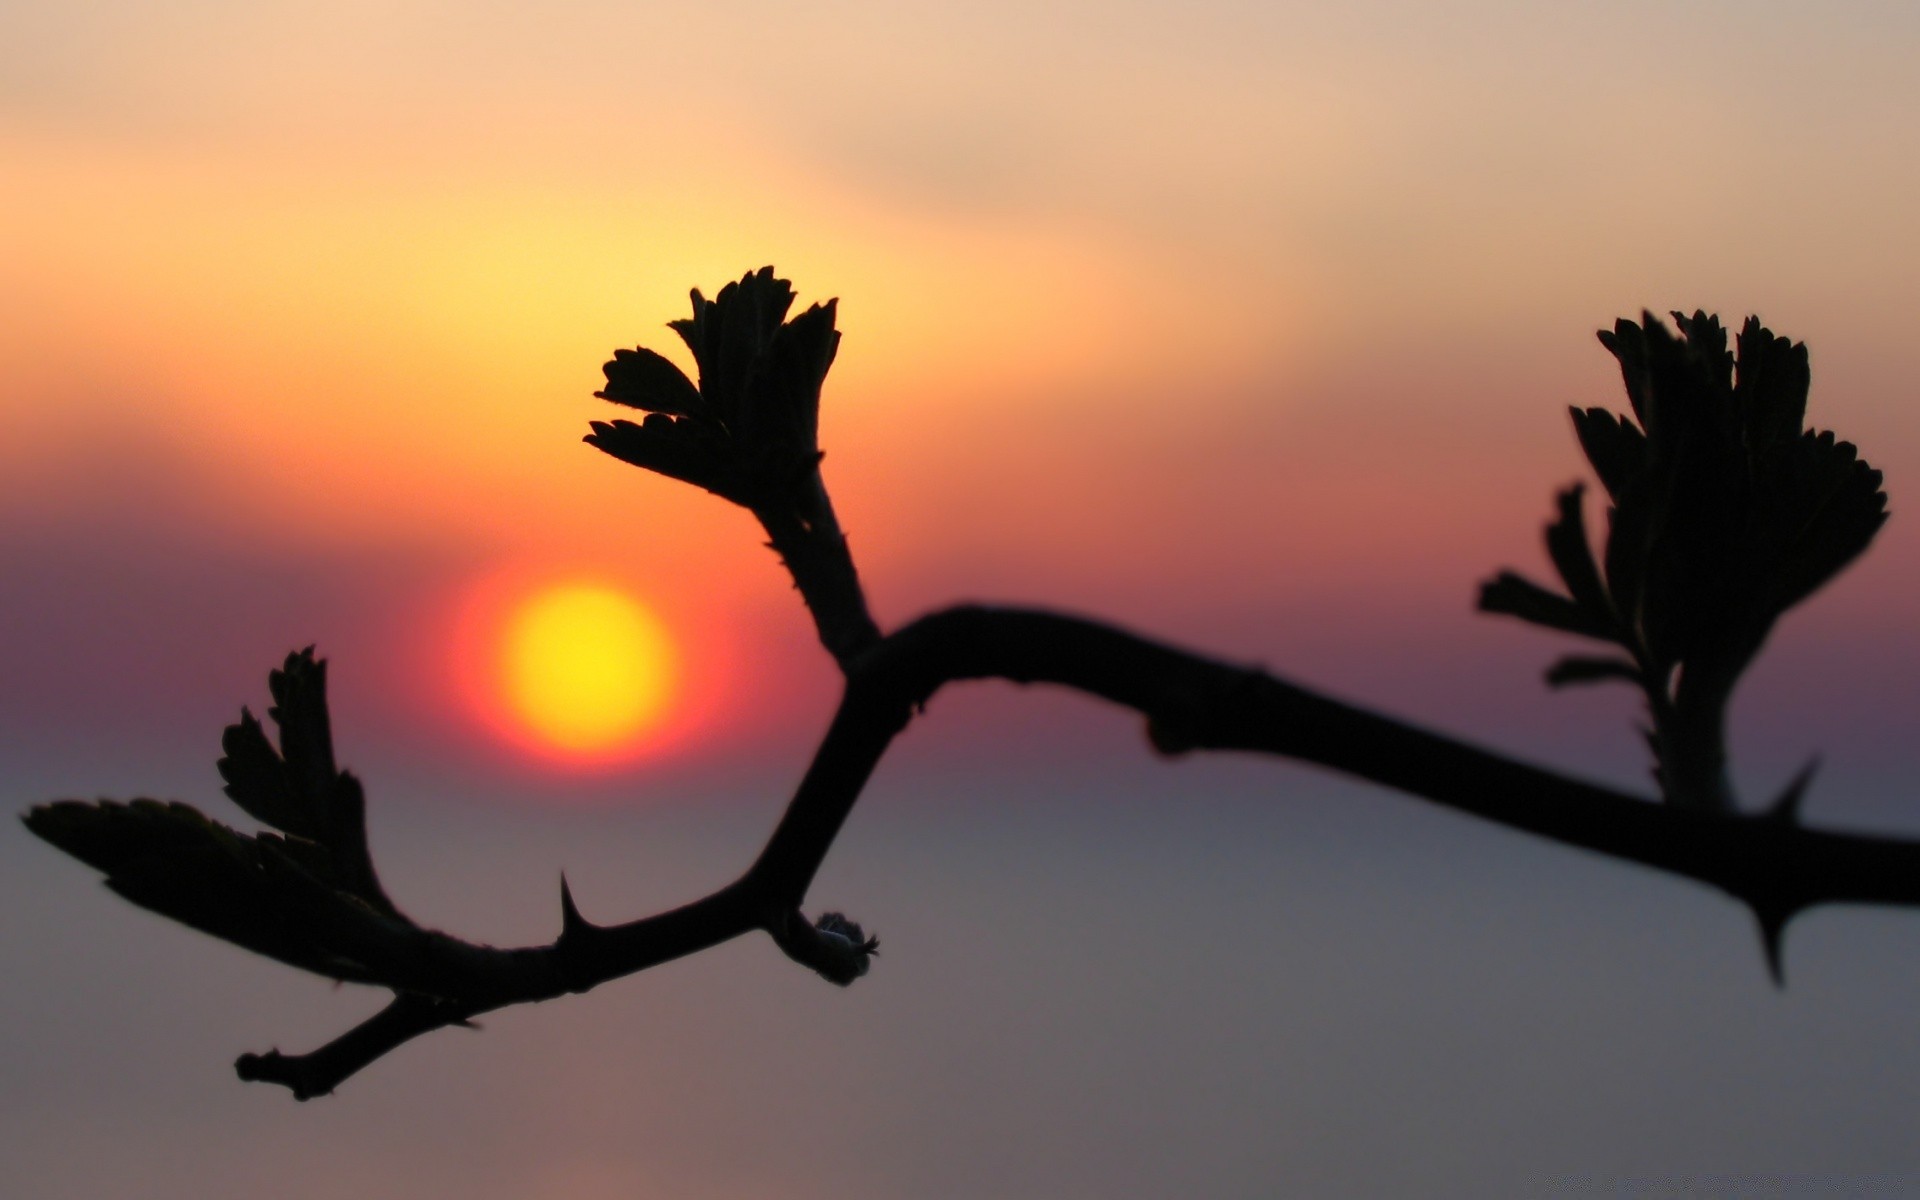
(1256, 312)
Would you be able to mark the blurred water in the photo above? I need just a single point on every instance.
(1206, 978)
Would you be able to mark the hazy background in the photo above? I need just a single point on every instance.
(1252, 325)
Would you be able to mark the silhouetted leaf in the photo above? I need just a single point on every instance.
(1839, 508)
(1577, 669)
(682, 449)
(256, 780)
(307, 896)
(1770, 389)
(1628, 344)
(1511, 595)
(299, 790)
(171, 859)
(1706, 342)
(1567, 546)
(730, 332)
(787, 390)
(1615, 447)
(639, 378)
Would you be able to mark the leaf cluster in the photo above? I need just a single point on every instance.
(749, 430)
(306, 895)
(1724, 511)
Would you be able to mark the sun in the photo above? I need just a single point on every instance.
(585, 669)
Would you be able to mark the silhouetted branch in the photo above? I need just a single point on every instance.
(1725, 512)
(1769, 863)
(808, 539)
(318, 1072)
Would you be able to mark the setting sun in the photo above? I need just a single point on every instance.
(586, 669)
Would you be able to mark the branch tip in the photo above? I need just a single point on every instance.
(835, 948)
(274, 1067)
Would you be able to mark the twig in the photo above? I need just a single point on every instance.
(1770, 864)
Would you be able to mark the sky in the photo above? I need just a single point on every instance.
(1252, 326)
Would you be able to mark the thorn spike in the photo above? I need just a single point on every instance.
(572, 924)
(1773, 928)
(1786, 807)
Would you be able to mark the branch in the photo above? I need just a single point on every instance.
(1769, 863)
(808, 540)
(307, 895)
(318, 1072)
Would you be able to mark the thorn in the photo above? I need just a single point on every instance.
(1786, 807)
(1773, 928)
(572, 924)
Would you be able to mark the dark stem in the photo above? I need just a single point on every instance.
(808, 539)
(1772, 865)
(317, 1073)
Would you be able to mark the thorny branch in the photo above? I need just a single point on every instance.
(308, 895)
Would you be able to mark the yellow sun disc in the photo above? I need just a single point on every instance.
(586, 668)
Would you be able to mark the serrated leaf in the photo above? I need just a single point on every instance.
(1770, 387)
(1615, 447)
(1840, 509)
(640, 378)
(679, 449)
(1706, 343)
(299, 790)
(171, 859)
(793, 371)
(299, 690)
(1512, 595)
(728, 333)
(256, 780)
(1628, 344)
(1573, 558)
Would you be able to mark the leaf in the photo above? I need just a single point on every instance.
(639, 378)
(1577, 669)
(728, 333)
(307, 896)
(784, 401)
(1839, 508)
(680, 449)
(256, 780)
(1706, 345)
(1573, 558)
(1627, 343)
(1511, 595)
(1615, 447)
(1771, 382)
(171, 859)
(299, 790)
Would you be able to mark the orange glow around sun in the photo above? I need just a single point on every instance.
(572, 670)
(585, 668)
